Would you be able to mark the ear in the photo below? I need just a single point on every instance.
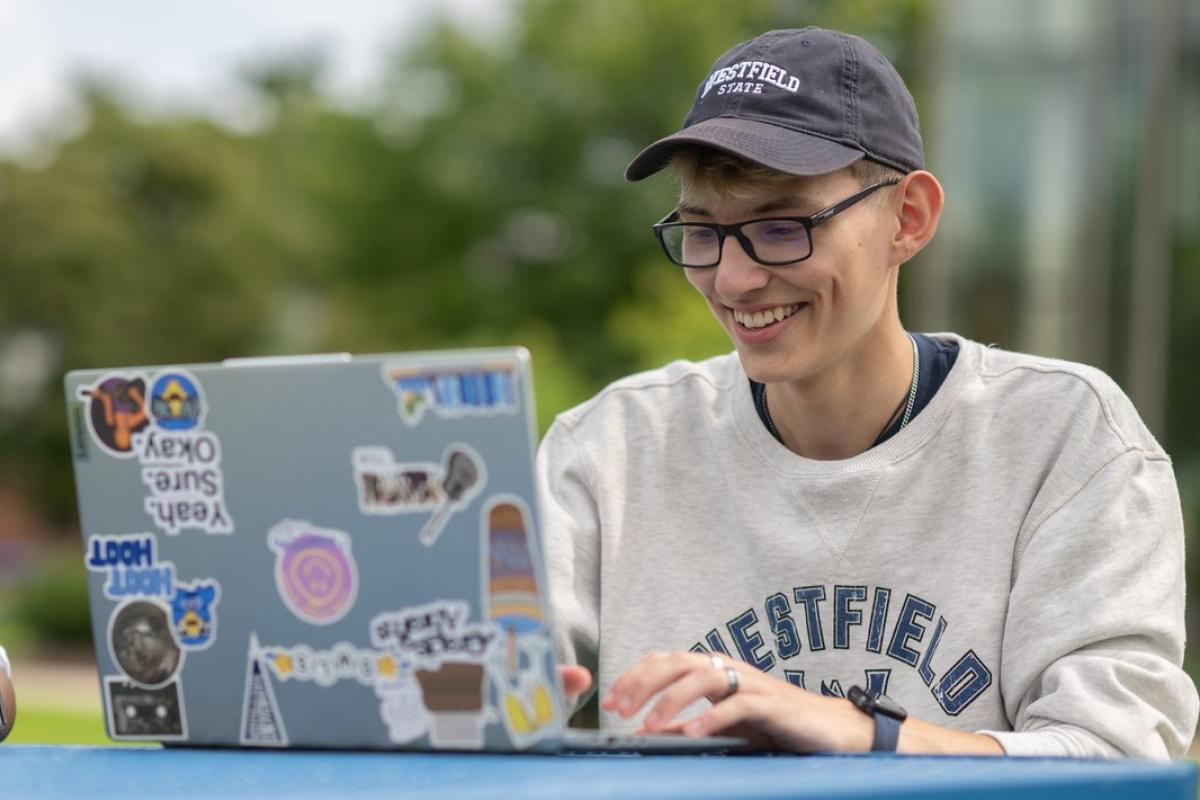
(921, 199)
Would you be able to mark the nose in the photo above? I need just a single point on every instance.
(737, 273)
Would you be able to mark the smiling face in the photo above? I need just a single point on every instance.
(791, 323)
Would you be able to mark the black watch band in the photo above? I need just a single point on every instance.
(888, 716)
(887, 734)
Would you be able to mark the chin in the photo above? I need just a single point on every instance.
(765, 370)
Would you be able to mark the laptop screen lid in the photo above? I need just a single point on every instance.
(317, 552)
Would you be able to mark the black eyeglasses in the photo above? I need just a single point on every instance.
(771, 241)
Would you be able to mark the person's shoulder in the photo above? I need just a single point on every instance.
(677, 384)
(1055, 389)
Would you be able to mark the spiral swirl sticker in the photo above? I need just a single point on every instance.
(314, 571)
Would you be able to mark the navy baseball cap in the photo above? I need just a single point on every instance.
(803, 101)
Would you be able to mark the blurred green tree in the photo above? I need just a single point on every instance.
(481, 201)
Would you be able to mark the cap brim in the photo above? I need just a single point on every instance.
(772, 146)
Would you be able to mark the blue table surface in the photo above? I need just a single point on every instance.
(123, 772)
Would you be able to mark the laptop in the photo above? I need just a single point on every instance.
(322, 552)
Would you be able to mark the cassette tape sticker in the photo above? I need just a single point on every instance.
(315, 571)
(453, 393)
(116, 410)
(135, 712)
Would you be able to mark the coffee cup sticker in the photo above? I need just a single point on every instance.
(314, 571)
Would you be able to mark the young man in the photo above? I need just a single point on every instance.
(844, 536)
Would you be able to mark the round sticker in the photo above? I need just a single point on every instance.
(116, 411)
(175, 402)
(314, 571)
(142, 643)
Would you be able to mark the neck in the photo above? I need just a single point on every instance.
(839, 411)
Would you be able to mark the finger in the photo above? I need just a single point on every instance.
(741, 708)
(648, 677)
(575, 680)
(701, 681)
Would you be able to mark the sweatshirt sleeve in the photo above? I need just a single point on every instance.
(1094, 637)
(571, 535)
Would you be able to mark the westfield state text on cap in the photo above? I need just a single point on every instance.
(805, 102)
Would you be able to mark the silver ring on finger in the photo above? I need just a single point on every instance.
(732, 677)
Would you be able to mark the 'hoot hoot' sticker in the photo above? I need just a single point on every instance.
(314, 571)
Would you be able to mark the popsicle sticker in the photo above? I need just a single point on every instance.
(462, 479)
(514, 605)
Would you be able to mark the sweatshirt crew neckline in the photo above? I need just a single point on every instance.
(740, 404)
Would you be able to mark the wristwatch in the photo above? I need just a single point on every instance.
(888, 715)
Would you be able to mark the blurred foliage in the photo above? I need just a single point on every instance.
(481, 202)
(53, 602)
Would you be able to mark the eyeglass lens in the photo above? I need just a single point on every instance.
(772, 240)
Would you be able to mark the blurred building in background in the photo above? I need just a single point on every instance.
(1067, 135)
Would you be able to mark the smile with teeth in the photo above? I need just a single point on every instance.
(761, 319)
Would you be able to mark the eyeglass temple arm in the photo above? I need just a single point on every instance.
(842, 205)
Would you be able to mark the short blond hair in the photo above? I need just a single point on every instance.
(707, 176)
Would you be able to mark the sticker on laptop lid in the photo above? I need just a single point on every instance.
(386, 487)
(513, 604)
(141, 642)
(325, 667)
(133, 570)
(140, 713)
(130, 562)
(315, 571)
(181, 462)
(182, 470)
(456, 704)
(434, 632)
(116, 410)
(193, 613)
(262, 724)
(402, 708)
(448, 656)
(453, 393)
(176, 401)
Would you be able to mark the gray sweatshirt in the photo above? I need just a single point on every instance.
(1011, 562)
